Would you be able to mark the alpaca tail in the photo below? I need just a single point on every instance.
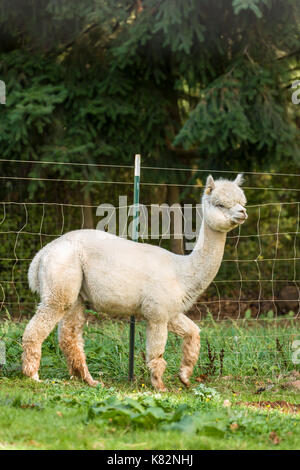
(33, 270)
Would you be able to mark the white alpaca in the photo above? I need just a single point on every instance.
(120, 276)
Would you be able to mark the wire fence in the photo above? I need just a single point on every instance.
(257, 286)
(260, 273)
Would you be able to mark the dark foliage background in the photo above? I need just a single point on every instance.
(202, 84)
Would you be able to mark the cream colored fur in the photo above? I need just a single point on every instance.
(120, 276)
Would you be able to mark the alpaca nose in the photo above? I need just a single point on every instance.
(243, 212)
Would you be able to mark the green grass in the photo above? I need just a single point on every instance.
(239, 362)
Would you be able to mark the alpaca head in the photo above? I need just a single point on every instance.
(224, 204)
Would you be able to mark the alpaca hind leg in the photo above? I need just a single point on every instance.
(37, 330)
(156, 338)
(71, 343)
(187, 329)
(60, 278)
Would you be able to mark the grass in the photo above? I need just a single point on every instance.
(240, 363)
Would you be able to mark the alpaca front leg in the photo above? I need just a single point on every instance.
(37, 330)
(187, 329)
(156, 338)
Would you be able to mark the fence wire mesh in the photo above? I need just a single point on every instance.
(259, 278)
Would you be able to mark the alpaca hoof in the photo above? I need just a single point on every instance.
(89, 380)
(35, 377)
(160, 387)
(185, 381)
(93, 383)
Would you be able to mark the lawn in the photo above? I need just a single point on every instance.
(243, 393)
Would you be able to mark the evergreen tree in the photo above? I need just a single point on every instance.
(203, 83)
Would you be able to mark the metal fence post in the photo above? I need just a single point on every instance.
(135, 236)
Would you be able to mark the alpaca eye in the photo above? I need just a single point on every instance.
(221, 206)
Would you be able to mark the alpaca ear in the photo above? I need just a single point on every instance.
(210, 185)
(239, 179)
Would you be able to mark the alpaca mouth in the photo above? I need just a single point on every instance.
(240, 220)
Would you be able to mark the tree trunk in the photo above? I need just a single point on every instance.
(88, 221)
(173, 198)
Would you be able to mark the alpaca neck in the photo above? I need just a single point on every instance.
(202, 265)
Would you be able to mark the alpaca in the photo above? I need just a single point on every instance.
(120, 276)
